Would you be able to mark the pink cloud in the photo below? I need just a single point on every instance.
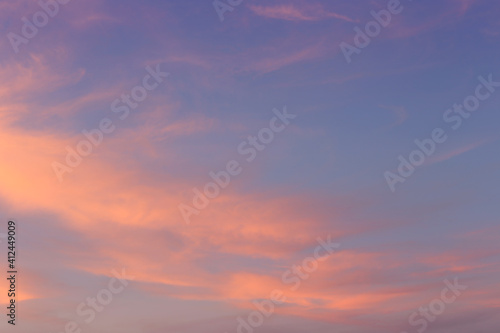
(272, 64)
(458, 151)
(400, 113)
(292, 13)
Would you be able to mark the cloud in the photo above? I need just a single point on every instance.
(293, 13)
(400, 113)
(458, 151)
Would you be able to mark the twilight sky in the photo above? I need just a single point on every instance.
(331, 170)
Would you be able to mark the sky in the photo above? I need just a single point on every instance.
(179, 162)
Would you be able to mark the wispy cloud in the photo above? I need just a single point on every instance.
(459, 151)
(294, 13)
(400, 113)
